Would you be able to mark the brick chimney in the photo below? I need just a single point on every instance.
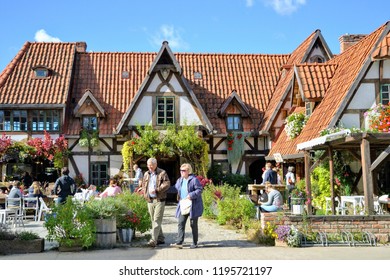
(81, 46)
(348, 40)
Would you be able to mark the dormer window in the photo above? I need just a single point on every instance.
(233, 122)
(317, 58)
(41, 72)
(90, 123)
(197, 76)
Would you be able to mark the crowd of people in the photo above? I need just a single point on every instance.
(153, 185)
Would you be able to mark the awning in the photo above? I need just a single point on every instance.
(323, 139)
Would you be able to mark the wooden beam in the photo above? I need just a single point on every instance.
(307, 180)
(367, 178)
(354, 154)
(331, 180)
(318, 161)
(380, 160)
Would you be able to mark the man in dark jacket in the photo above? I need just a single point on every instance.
(270, 175)
(64, 186)
(155, 185)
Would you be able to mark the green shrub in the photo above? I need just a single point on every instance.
(227, 206)
(138, 205)
(71, 223)
(27, 235)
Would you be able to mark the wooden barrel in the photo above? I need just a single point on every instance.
(105, 233)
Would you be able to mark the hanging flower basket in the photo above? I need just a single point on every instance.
(294, 124)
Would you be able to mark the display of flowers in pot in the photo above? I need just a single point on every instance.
(298, 196)
(128, 220)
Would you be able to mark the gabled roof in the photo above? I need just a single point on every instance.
(313, 79)
(352, 65)
(242, 107)
(382, 51)
(85, 98)
(18, 85)
(284, 86)
(253, 76)
(165, 58)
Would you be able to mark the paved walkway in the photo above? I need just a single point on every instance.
(215, 243)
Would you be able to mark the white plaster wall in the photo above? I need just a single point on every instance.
(115, 165)
(373, 72)
(82, 164)
(154, 84)
(165, 89)
(351, 120)
(143, 114)
(364, 97)
(188, 114)
(386, 69)
(175, 84)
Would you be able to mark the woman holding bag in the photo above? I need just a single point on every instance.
(188, 187)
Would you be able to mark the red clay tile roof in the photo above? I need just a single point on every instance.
(382, 51)
(252, 76)
(350, 63)
(17, 85)
(280, 92)
(314, 79)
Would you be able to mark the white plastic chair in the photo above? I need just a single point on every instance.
(14, 210)
(42, 208)
(338, 208)
(31, 203)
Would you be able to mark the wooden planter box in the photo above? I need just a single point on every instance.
(21, 246)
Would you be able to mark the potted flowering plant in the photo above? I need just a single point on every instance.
(298, 198)
(126, 224)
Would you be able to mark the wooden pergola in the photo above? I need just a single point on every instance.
(371, 149)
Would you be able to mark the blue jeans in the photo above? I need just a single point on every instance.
(270, 208)
(181, 226)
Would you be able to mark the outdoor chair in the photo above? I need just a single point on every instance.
(30, 204)
(14, 211)
(43, 208)
(338, 208)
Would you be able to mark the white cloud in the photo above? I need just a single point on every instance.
(285, 7)
(249, 3)
(42, 36)
(172, 35)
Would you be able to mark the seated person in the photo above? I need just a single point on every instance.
(112, 190)
(91, 192)
(15, 192)
(275, 199)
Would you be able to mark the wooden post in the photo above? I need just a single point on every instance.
(331, 171)
(307, 180)
(367, 178)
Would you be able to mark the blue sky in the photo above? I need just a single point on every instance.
(200, 26)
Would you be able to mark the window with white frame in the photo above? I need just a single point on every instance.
(45, 120)
(165, 110)
(13, 120)
(233, 122)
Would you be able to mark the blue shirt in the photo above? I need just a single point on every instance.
(152, 184)
(184, 189)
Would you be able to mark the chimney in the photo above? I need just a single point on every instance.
(347, 40)
(81, 46)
